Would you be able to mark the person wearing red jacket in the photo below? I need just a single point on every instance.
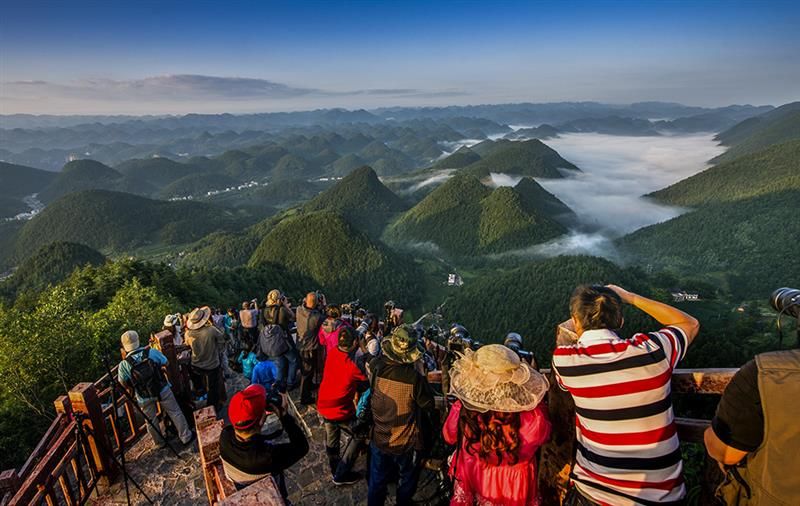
(341, 380)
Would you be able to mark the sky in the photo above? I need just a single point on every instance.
(176, 57)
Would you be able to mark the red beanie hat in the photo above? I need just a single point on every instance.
(247, 407)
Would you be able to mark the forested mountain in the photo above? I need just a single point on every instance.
(196, 185)
(526, 158)
(52, 264)
(80, 175)
(748, 244)
(541, 132)
(533, 299)
(118, 222)
(340, 258)
(464, 217)
(612, 125)
(462, 157)
(774, 169)
(17, 182)
(754, 134)
(157, 171)
(361, 199)
(535, 199)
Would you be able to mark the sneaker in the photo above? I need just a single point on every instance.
(349, 478)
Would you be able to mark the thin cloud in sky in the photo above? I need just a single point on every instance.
(190, 87)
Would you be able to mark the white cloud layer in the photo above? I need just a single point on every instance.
(617, 170)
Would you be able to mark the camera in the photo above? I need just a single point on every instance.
(460, 340)
(786, 301)
(362, 328)
(351, 307)
(274, 398)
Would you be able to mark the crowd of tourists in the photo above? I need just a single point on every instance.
(368, 380)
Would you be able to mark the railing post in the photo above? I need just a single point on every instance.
(166, 345)
(88, 410)
(63, 406)
(9, 483)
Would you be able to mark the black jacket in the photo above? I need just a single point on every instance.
(308, 324)
(248, 461)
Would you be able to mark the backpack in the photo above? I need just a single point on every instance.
(272, 341)
(146, 376)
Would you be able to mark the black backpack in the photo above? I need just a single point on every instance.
(146, 376)
(273, 341)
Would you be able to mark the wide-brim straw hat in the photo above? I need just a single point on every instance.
(198, 317)
(401, 346)
(493, 378)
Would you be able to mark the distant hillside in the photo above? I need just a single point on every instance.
(526, 158)
(343, 260)
(8, 237)
(462, 157)
(540, 290)
(541, 132)
(361, 199)
(464, 217)
(51, 264)
(750, 244)
(197, 184)
(293, 167)
(118, 222)
(346, 164)
(16, 183)
(157, 171)
(754, 134)
(222, 249)
(535, 199)
(612, 125)
(80, 175)
(773, 169)
(384, 159)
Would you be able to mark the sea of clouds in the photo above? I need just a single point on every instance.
(607, 194)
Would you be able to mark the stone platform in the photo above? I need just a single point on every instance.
(169, 480)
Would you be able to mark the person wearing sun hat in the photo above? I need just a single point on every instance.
(497, 423)
(207, 343)
(403, 414)
(247, 455)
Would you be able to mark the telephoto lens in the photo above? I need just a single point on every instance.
(786, 301)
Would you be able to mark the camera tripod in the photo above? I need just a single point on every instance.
(80, 438)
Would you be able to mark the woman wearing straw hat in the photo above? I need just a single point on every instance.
(497, 423)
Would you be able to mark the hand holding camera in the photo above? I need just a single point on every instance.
(277, 403)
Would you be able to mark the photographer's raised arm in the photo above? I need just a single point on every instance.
(663, 313)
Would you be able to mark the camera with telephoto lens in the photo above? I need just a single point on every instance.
(351, 307)
(460, 340)
(363, 327)
(388, 308)
(786, 301)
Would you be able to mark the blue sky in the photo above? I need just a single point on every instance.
(159, 57)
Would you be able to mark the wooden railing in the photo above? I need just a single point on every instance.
(62, 469)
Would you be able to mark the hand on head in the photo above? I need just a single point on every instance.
(626, 296)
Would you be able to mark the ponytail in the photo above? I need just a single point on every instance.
(596, 307)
